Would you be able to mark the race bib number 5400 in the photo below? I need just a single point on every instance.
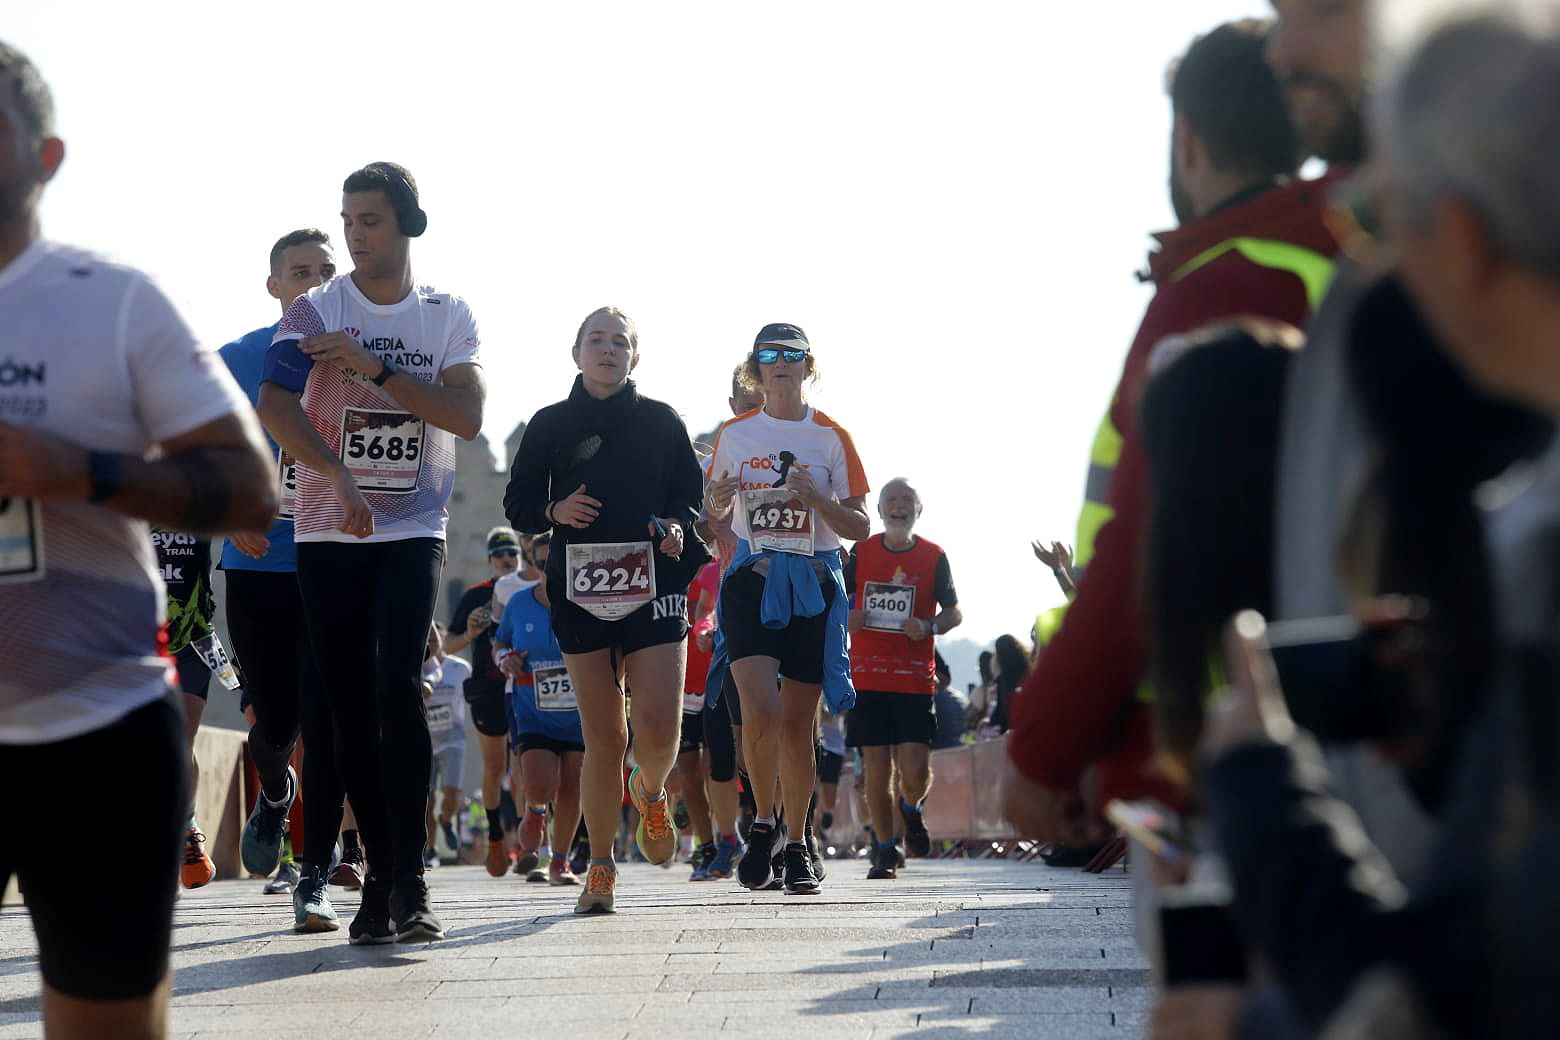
(888, 606)
(383, 450)
(778, 520)
(611, 579)
(21, 540)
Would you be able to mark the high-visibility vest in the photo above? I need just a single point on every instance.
(1315, 272)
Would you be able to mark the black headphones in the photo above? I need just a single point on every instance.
(409, 216)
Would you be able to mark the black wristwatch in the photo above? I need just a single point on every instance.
(105, 473)
(384, 373)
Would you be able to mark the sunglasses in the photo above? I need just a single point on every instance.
(511, 553)
(769, 355)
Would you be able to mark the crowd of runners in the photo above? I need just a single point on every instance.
(692, 638)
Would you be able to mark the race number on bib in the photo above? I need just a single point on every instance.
(382, 450)
(554, 691)
(216, 657)
(21, 540)
(287, 481)
(888, 606)
(778, 520)
(613, 579)
(441, 717)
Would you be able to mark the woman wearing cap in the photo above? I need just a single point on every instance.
(789, 477)
(615, 477)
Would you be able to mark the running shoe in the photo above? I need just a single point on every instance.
(312, 911)
(197, 869)
(756, 870)
(815, 853)
(918, 841)
(286, 880)
(372, 925)
(533, 831)
(526, 862)
(261, 844)
(800, 880)
(558, 873)
(596, 898)
(430, 858)
(580, 859)
(497, 858)
(681, 816)
(700, 861)
(657, 837)
(899, 853)
(728, 849)
(884, 867)
(412, 911)
(450, 837)
(348, 873)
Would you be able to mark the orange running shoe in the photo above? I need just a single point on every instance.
(197, 869)
(497, 858)
(600, 880)
(657, 835)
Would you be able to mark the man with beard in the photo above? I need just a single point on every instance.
(1250, 242)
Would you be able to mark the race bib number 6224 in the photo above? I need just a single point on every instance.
(611, 580)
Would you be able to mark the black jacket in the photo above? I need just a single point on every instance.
(633, 454)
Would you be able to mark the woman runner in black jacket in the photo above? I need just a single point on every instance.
(614, 476)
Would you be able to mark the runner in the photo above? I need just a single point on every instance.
(185, 563)
(471, 625)
(783, 604)
(369, 381)
(904, 597)
(101, 373)
(831, 763)
(692, 764)
(265, 621)
(546, 722)
(446, 706)
(615, 477)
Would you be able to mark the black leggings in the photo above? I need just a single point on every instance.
(271, 640)
(720, 741)
(369, 607)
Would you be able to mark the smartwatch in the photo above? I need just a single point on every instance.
(385, 373)
(105, 473)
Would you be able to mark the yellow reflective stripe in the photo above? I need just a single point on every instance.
(1092, 517)
(1314, 270)
(1048, 624)
(1106, 450)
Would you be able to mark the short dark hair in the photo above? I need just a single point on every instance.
(1223, 88)
(381, 176)
(28, 90)
(302, 236)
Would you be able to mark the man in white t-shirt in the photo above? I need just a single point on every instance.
(98, 375)
(369, 381)
(445, 697)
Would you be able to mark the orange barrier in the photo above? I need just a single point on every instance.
(963, 802)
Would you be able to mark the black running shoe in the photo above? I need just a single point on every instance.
(815, 853)
(918, 841)
(800, 880)
(371, 926)
(899, 853)
(883, 866)
(756, 870)
(411, 909)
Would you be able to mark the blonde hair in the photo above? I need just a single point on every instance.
(747, 374)
(611, 312)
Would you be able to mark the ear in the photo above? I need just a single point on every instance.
(273, 285)
(1473, 265)
(51, 153)
(575, 353)
(633, 362)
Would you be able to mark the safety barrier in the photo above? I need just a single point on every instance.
(964, 803)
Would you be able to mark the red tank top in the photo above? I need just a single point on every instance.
(892, 587)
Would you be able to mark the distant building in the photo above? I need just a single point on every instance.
(476, 507)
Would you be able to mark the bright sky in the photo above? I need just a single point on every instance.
(950, 199)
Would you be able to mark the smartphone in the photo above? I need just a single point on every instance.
(1149, 824)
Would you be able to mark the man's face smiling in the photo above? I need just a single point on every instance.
(898, 508)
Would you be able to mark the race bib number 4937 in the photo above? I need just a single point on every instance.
(383, 450)
(21, 540)
(611, 580)
(778, 520)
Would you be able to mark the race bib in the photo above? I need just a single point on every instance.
(441, 717)
(611, 580)
(216, 657)
(778, 520)
(693, 703)
(888, 606)
(21, 540)
(382, 450)
(554, 691)
(287, 481)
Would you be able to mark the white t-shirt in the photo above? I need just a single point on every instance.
(447, 710)
(750, 447)
(404, 466)
(93, 352)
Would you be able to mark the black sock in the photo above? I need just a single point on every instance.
(495, 825)
(350, 841)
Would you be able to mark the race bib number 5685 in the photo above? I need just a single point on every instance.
(382, 449)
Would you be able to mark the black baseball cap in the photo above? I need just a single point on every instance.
(501, 539)
(782, 334)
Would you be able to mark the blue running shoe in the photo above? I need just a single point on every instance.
(261, 844)
(312, 911)
(728, 849)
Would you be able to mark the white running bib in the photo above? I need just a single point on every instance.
(383, 450)
(778, 520)
(21, 540)
(554, 689)
(216, 657)
(888, 606)
(287, 480)
(611, 580)
(441, 718)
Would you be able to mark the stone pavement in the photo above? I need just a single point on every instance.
(953, 949)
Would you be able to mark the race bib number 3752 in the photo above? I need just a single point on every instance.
(554, 690)
(382, 449)
(611, 580)
(21, 540)
(778, 520)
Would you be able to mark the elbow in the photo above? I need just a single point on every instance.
(953, 618)
(468, 429)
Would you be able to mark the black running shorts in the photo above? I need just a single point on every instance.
(194, 676)
(580, 632)
(692, 733)
(102, 938)
(798, 646)
(884, 719)
(538, 742)
(830, 766)
(487, 704)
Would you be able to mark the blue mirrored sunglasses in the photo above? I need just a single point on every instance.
(769, 355)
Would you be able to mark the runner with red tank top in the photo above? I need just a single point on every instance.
(902, 597)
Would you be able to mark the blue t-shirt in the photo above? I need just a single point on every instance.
(245, 358)
(546, 707)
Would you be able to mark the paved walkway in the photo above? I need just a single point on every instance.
(950, 950)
